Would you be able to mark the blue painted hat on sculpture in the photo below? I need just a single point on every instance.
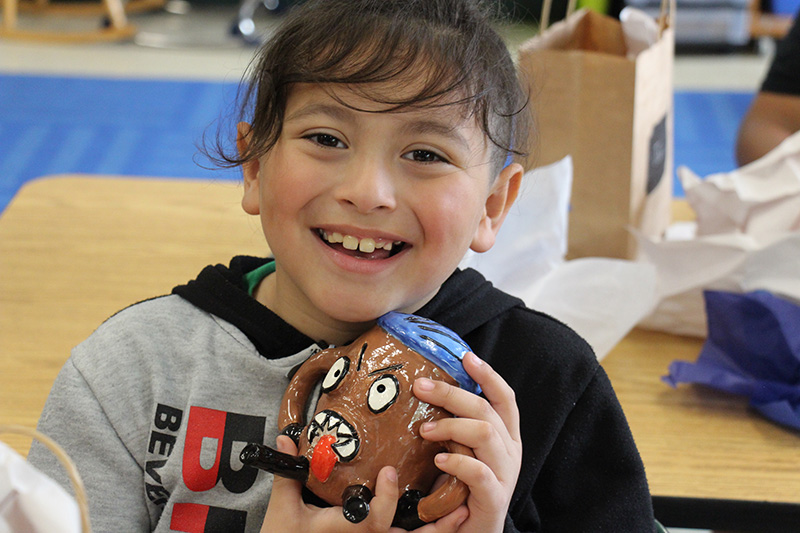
(433, 341)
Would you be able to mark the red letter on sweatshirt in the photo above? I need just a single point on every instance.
(204, 436)
(189, 517)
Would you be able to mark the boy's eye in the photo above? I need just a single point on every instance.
(424, 156)
(326, 139)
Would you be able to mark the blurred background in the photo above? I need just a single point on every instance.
(139, 89)
(85, 91)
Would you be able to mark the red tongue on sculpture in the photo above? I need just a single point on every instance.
(323, 459)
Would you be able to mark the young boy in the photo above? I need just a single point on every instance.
(376, 154)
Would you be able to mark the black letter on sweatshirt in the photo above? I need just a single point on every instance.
(239, 430)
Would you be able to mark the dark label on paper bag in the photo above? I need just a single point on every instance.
(658, 155)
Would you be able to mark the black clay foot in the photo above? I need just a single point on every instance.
(355, 503)
(407, 516)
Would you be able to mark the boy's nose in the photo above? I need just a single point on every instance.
(368, 186)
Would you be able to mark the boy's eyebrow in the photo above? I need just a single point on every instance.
(416, 126)
(422, 127)
(321, 108)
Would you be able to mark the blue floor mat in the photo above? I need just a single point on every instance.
(705, 131)
(54, 125)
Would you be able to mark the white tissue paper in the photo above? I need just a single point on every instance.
(31, 502)
(602, 299)
(762, 198)
(533, 239)
(639, 29)
(747, 237)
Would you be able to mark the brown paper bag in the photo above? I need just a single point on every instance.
(613, 114)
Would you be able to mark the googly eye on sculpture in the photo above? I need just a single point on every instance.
(367, 417)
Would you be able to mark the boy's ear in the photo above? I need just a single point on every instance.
(502, 196)
(251, 198)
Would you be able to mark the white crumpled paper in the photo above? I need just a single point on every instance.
(760, 199)
(639, 29)
(601, 299)
(747, 237)
(31, 502)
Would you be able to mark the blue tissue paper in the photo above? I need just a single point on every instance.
(752, 349)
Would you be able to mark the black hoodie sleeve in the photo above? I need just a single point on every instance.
(784, 72)
(581, 471)
(593, 478)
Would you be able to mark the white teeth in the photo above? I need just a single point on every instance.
(350, 242)
(366, 245)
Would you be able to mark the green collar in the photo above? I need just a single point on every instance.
(254, 277)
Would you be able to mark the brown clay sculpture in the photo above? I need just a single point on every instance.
(367, 417)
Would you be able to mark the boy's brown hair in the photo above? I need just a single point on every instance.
(448, 48)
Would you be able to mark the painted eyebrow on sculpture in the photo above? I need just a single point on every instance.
(398, 366)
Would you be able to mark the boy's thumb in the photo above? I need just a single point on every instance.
(285, 444)
(280, 485)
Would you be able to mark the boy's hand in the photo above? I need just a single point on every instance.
(491, 429)
(288, 512)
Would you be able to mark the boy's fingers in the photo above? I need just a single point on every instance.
(447, 524)
(499, 407)
(285, 444)
(474, 434)
(497, 391)
(283, 488)
(383, 506)
(483, 484)
(452, 521)
(457, 401)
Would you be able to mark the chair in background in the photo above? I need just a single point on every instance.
(112, 26)
(245, 25)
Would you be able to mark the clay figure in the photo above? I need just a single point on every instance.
(367, 417)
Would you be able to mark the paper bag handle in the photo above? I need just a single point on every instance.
(544, 19)
(663, 16)
(66, 462)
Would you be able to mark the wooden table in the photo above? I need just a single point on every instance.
(711, 461)
(75, 249)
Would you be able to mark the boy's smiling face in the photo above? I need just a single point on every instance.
(369, 212)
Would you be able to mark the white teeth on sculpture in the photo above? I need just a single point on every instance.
(346, 449)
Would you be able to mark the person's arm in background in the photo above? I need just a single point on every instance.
(772, 117)
(774, 114)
